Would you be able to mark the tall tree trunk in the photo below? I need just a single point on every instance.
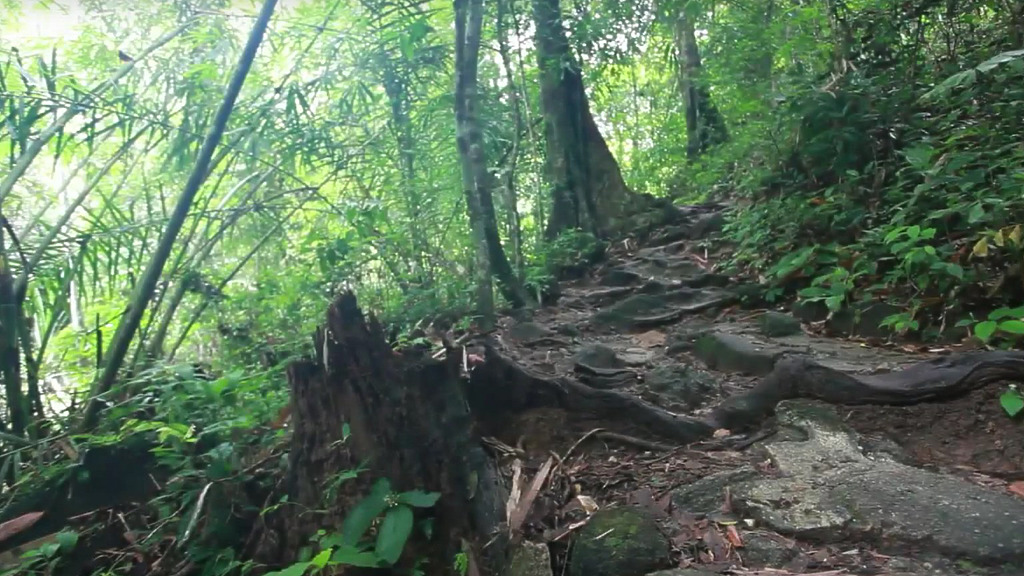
(511, 197)
(476, 180)
(10, 357)
(588, 190)
(705, 127)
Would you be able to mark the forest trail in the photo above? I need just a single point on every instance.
(923, 488)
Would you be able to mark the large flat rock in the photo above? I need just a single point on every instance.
(827, 489)
(741, 347)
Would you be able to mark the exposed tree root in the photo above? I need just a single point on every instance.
(936, 379)
(499, 389)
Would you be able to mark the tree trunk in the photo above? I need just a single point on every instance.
(515, 230)
(705, 127)
(587, 187)
(10, 357)
(408, 418)
(476, 180)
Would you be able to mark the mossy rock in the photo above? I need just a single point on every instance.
(598, 356)
(626, 313)
(777, 325)
(620, 541)
(731, 353)
(529, 559)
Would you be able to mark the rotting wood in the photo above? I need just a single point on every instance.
(408, 421)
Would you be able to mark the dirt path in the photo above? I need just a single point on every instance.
(658, 323)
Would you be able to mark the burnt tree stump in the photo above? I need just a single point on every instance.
(409, 423)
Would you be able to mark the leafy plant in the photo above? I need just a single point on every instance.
(394, 517)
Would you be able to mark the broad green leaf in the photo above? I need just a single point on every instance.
(361, 517)
(1005, 312)
(297, 569)
(321, 559)
(352, 556)
(976, 213)
(985, 330)
(393, 533)
(67, 541)
(1012, 326)
(1012, 402)
(419, 499)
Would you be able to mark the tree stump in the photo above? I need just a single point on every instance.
(409, 423)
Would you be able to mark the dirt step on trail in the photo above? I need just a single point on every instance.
(867, 459)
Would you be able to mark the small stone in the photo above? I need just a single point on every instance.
(731, 353)
(777, 324)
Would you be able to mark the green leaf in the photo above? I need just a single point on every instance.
(297, 569)
(393, 533)
(352, 556)
(418, 498)
(834, 303)
(362, 516)
(976, 214)
(1005, 312)
(321, 559)
(67, 541)
(1012, 402)
(985, 330)
(1012, 326)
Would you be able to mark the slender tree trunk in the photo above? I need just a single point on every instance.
(10, 358)
(398, 98)
(588, 191)
(515, 230)
(477, 181)
(147, 284)
(705, 127)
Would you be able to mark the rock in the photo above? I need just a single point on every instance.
(775, 324)
(707, 225)
(598, 356)
(529, 559)
(624, 314)
(767, 550)
(527, 331)
(620, 541)
(567, 330)
(620, 277)
(649, 310)
(684, 572)
(864, 319)
(636, 356)
(731, 353)
(750, 295)
(860, 318)
(684, 339)
(826, 489)
(684, 384)
(805, 311)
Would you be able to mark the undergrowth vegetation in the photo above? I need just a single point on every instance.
(869, 151)
(898, 179)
